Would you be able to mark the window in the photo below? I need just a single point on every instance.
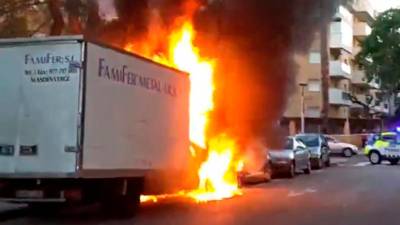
(313, 112)
(314, 85)
(310, 140)
(315, 58)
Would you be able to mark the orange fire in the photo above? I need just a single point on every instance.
(217, 174)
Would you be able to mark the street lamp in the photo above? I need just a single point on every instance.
(302, 86)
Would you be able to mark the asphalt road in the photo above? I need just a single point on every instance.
(352, 192)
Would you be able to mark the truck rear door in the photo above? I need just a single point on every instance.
(39, 106)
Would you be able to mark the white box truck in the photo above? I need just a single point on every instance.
(81, 121)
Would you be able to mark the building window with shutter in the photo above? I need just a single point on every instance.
(314, 85)
(315, 58)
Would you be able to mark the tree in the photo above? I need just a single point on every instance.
(324, 32)
(380, 54)
(13, 21)
(14, 27)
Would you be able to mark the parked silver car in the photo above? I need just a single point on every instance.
(344, 149)
(294, 157)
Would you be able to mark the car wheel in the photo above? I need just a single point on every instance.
(319, 164)
(308, 169)
(292, 170)
(328, 161)
(393, 161)
(347, 152)
(375, 158)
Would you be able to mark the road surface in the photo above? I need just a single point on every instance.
(352, 192)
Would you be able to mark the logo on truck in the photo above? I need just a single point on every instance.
(124, 75)
(50, 67)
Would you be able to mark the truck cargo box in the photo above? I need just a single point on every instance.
(71, 108)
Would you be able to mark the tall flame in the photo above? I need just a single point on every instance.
(186, 58)
(217, 174)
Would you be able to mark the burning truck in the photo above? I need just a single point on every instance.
(87, 122)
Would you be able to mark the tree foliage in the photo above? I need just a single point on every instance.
(380, 54)
(13, 24)
(18, 18)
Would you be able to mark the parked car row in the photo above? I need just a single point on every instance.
(301, 153)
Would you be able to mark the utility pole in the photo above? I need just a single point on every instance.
(303, 123)
(324, 32)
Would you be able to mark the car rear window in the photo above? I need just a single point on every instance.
(309, 140)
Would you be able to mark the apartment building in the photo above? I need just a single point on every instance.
(350, 25)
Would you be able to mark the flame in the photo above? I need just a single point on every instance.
(186, 58)
(217, 174)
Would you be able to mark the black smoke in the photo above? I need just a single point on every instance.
(254, 42)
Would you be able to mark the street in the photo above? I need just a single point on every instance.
(351, 192)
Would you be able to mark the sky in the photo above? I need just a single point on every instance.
(382, 5)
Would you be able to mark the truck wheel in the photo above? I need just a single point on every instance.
(347, 152)
(120, 205)
(44, 208)
(393, 161)
(375, 158)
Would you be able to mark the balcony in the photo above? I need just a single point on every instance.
(341, 36)
(358, 78)
(339, 69)
(361, 30)
(339, 97)
(364, 11)
(344, 14)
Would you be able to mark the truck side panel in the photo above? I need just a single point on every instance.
(136, 114)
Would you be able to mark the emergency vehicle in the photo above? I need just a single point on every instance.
(383, 146)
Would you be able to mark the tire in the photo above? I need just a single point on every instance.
(308, 169)
(122, 206)
(375, 158)
(328, 161)
(394, 161)
(118, 205)
(292, 170)
(39, 208)
(320, 164)
(347, 152)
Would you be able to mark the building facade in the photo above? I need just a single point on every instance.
(348, 85)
